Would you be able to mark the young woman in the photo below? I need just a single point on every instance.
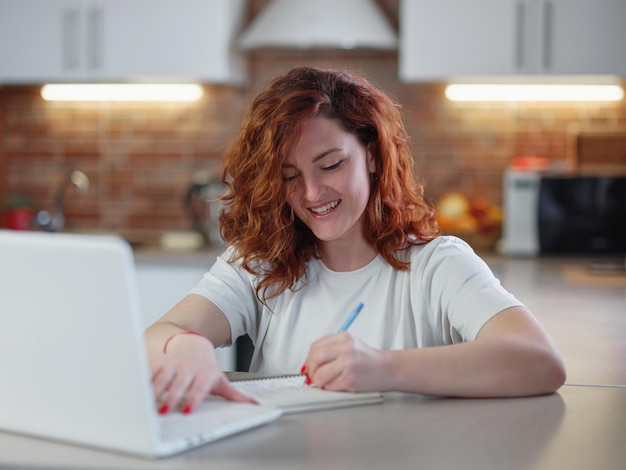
(323, 211)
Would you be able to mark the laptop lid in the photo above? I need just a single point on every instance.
(72, 355)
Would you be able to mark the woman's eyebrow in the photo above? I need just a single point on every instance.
(323, 154)
(315, 159)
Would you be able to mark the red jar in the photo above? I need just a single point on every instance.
(20, 218)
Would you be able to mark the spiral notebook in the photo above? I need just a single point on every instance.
(290, 394)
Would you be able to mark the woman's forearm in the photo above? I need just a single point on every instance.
(157, 334)
(515, 364)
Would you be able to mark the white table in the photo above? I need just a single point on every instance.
(578, 428)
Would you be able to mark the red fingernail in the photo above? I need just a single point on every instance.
(164, 409)
(303, 369)
(308, 380)
(187, 409)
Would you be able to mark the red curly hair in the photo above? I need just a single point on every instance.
(257, 221)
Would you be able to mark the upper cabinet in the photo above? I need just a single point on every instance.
(91, 40)
(448, 38)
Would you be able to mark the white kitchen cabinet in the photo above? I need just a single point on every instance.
(119, 40)
(452, 38)
(584, 37)
(174, 38)
(35, 39)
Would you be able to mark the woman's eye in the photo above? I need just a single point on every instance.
(333, 166)
(289, 178)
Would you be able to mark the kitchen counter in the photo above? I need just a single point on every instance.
(182, 247)
(201, 257)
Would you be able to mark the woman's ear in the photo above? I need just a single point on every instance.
(371, 163)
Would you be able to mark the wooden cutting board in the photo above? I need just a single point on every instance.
(601, 151)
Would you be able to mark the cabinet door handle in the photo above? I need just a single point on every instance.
(520, 21)
(70, 39)
(548, 18)
(94, 38)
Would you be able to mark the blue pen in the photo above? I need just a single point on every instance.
(351, 318)
(344, 327)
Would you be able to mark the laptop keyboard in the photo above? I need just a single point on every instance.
(207, 419)
(177, 426)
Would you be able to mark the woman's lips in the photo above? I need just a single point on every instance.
(326, 208)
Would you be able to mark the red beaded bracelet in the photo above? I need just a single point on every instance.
(179, 333)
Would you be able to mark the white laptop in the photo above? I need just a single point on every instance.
(73, 365)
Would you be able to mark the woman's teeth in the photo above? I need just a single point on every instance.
(325, 209)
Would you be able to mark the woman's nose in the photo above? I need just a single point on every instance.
(312, 188)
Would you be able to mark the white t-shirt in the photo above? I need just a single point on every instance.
(444, 298)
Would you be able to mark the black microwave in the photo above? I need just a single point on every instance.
(558, 214)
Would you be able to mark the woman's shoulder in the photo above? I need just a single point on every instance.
(444, 251)
(443, 244)
(235, 258)
(231, 260)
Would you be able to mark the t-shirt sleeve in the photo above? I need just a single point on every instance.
(460, 289)
(231, 288)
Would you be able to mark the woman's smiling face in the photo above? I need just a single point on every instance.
(327, 178)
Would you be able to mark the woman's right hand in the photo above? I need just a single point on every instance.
(186, 372)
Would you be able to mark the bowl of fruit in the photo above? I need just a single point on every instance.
(474, 219)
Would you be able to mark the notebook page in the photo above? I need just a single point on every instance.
(269, 388)
(291, 394)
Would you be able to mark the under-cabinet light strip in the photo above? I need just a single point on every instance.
(533, 92)
(122, 92)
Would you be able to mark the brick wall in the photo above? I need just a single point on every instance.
(141, 158)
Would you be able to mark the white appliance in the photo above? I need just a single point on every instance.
(521, 199)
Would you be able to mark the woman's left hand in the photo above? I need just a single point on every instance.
(342, 362)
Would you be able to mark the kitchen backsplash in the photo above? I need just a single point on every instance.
(141, 158)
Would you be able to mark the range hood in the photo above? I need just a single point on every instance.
(319, 24)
